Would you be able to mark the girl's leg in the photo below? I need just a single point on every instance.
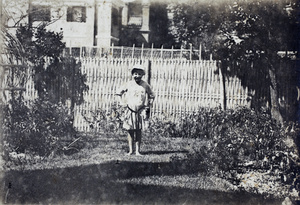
(130, 141)
(138, 135)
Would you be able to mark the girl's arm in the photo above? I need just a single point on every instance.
(123, 89)
(121, 92)
(122, 98)
(151, 95)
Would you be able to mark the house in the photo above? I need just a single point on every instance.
(87, 22)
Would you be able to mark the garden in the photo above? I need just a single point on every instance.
(246, 155)
(208, 156)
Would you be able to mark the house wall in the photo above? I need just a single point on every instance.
(76, 33)
(104, 24)
(107, 33)
(101, 28)
(92, 32)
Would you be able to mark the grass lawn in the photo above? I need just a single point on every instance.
(103, 173)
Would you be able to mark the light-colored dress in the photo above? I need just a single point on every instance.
(135, 97)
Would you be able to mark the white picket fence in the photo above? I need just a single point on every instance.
(181, 86)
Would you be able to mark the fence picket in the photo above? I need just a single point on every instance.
(181, 86)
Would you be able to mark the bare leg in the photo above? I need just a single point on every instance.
(138, 142)
(130, 141)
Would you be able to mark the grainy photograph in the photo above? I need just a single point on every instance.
(150, 102)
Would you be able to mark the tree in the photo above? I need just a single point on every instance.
(196, 23)
(44, 126)
(17, 12)
(53, 73)
(258, 31)
(27, 43)
(158, 36)
(246, 37)
(159, 33)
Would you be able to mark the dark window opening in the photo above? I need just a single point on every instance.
(135, 9)
(115, 17)
(76, 14)
(40, 13)
(135, 14)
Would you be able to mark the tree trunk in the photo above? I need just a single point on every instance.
(275, 112)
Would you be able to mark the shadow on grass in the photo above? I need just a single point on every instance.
(99, 184)
(165, 152)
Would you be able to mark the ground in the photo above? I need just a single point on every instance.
(102, 174)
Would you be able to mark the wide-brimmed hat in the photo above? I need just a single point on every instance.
(138, 67)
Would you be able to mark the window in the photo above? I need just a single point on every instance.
(115, 17)
(115, 22)
(40, 13)
(135, 9)
(76, 14)
(135, 14)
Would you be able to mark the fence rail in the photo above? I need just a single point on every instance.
(135, 52)
(181, 86)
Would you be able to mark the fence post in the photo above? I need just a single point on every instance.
(200, 51)
(191, 52)
(152, 51)
(172, 53)
(149, 72)
(222, 87)
(112, 50)
(73, 64)
(142, 53)
(149, 113)
(132, 51)
(180, 52)
(122, 52)
(80, 52)
(70, 51)
(161, 51)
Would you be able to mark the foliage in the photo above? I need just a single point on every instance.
(245, 36)
(41, 129)
(158, 31)
(237, 27)
(53, 73)
(159, 35)
(130, 35)
(108, 123)
(236, 141)
(16, 12)
(62, 80)
(196, 23)
(38, 43)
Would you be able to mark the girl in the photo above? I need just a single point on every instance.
(137, 96)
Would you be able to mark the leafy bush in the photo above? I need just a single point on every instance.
(105, 122)
(235, 141)
(56, 78)
(41, 129)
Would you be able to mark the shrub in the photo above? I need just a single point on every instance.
(235, 141)
(104, 122)
(41, 129)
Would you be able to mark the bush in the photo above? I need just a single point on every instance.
(236, 141)
(41, 129)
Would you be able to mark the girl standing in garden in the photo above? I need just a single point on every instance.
(137, 97)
